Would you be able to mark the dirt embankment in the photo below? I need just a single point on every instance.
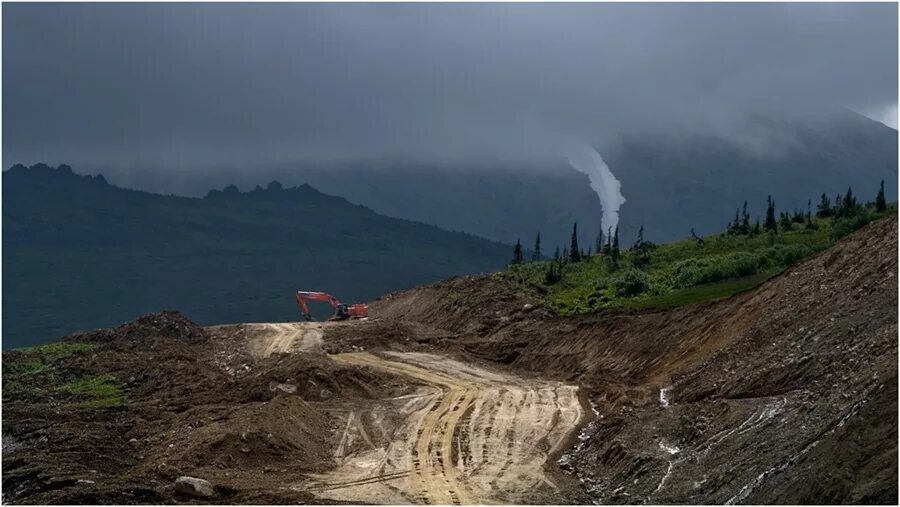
(786, 393)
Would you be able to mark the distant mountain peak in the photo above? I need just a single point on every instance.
(62, 171)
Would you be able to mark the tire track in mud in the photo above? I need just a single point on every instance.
(434, 471)
(507, 422)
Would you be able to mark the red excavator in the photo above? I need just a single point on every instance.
(341, 310)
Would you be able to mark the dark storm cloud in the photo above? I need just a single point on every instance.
(235, 85)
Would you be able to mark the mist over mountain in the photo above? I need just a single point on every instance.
(675, 181)
(672, 180)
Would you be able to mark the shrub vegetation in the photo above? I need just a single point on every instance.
(696, 269)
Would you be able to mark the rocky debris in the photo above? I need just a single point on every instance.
(193, 486)
(283, 388)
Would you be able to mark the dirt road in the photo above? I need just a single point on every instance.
(466, 435)
(273, 338)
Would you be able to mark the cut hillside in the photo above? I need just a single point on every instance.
(785, 393)
(82, 254)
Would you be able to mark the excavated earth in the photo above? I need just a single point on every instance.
(467, 391)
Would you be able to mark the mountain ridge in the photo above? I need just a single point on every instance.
(76, 244)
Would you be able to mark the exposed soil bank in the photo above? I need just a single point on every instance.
(786, 393)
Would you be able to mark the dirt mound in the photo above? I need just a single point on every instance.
(282, 431)
(167, 324)
(386, 334)
(474, 304)
(317, 378)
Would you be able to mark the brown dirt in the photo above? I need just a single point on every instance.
(187, 411)
(787, 384)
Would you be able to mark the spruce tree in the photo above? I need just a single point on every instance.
(734, 227)
(824, 208)
(745, 221)
(756, 227)
(770, 224)
(574, 252)
(641, 250)
(598, 243)
(615, 247)
(517, 253)
(880, 203)
(849, 205)
(536, 254)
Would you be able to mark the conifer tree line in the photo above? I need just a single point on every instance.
(606, 243)
(844, 206)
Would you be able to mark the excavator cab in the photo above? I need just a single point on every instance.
(341, 312)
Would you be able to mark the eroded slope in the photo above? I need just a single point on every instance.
(786, 393)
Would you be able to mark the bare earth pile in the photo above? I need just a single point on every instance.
(467, 391)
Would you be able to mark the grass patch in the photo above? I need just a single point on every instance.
(36, 360)
(40, 374)
(95, 390)
(680, 273)
(454, 296)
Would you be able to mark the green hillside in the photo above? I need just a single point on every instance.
(650, 276)
(80, 253)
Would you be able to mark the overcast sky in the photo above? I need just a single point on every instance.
(197, 86)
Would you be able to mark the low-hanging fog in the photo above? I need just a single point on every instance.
(176, 93)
